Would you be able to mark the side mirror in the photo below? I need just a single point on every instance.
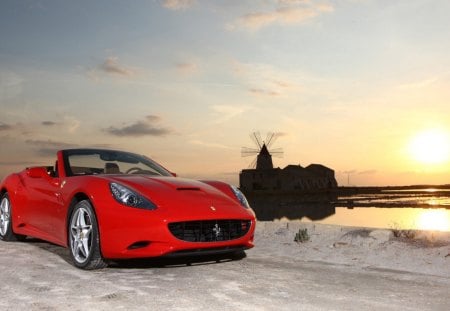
(37, 172)
(173, 174)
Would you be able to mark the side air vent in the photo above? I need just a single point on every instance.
(210, 230)
(139, 244)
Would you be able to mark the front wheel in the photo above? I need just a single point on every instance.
(6, 231)
(84, 242)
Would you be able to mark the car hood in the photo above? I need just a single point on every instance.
(182, 197)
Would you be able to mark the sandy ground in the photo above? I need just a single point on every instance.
(338, 268)
(423, 252)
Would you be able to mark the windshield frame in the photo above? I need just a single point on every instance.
(108, 156)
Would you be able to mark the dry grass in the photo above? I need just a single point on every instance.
(362, 233)
(420, 238)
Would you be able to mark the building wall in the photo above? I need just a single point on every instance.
(260, 179)
(291, 178)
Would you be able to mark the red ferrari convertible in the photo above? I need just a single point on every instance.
(107, 204)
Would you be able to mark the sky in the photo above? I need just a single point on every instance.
(360, 86)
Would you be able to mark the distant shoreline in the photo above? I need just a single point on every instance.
(350, 190)
(317, 204)
(375, 189)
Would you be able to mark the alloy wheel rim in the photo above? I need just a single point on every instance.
(4, 216)
(81, 235)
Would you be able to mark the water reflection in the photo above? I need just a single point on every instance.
(390, 218)
(313, 211)
(426, 209)
(270, 207)
(436, 219)
(394, 200)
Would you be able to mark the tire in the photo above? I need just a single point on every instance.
(83, 235)
(6, 231)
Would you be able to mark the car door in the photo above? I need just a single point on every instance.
(45, 205)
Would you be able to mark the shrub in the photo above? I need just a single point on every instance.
(402, 233)
(302, 236)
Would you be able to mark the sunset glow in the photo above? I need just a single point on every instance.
(433, 220)
(430, 147)
(361, 87)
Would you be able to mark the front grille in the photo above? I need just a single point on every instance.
(209, 230)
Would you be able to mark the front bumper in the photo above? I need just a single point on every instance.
(127, 233)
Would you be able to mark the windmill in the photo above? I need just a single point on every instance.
(263, 152)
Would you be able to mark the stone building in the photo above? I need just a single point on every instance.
(292, 178)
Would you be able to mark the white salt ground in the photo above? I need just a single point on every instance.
(339, 268)
(422, 252)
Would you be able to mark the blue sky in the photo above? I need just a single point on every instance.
(348, 83)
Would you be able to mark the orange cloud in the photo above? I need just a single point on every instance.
(178, 4)
(225, 113)
(112, 67)
(286, 13)
(263, 92)
(265, 80)
(187, 67)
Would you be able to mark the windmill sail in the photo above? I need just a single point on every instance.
(263, 153)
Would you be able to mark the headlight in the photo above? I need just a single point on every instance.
(128, 197)
(240, 196)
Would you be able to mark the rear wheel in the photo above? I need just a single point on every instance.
(84, 242)
(6, 231)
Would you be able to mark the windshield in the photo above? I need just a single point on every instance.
(92, 162)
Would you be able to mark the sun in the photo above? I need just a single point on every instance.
(434, 220)
(430, 146)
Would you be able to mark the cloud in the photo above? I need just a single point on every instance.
(153, 118)
(144, 127)
(5, 127)
(291, 2)
(265, 80)
(285, 13)
(227, 112)
(70, 124)
(112, 67)
(17, 127)
(49, 147)
(187, 67)
(209, 145)
(178, 4)
(48, 123)
(262, 92)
